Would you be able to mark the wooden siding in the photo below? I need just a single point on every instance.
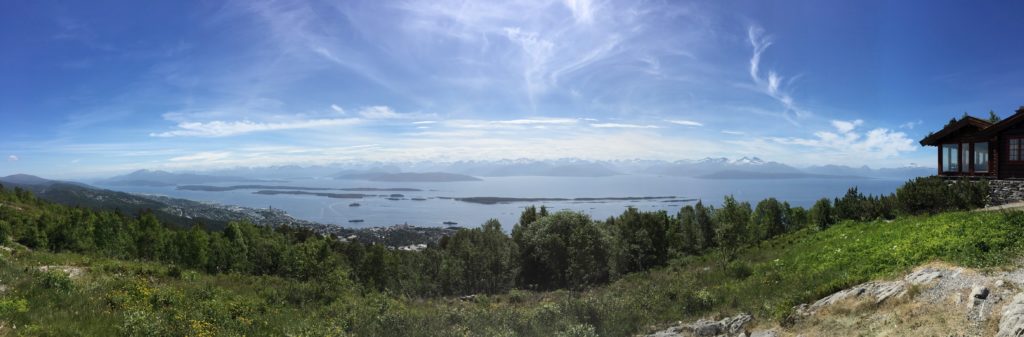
(1007, 168)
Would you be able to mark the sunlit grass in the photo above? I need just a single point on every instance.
(115, 297)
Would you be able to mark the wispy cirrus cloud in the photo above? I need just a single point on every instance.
(911, 125)
(685, 122)
(337, 109)
(623, 126)
(202, 157)
(379, 112)
(537, 122)
(541, 121)
(582, 10)
(233, 128)
(772, 83)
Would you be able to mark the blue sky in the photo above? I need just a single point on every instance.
(95, 88)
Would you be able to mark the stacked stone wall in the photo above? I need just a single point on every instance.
(1003, 191)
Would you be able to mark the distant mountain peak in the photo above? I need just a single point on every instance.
(713, 160)
(26, 179)
(147, 177)
(749, 161)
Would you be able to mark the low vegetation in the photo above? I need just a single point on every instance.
(557, 274)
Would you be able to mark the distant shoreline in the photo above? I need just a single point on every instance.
(209, 188)
(502, 200)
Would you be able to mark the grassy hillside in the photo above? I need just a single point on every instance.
(115, 297)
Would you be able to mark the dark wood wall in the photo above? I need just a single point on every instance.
(967, 137)
(1007, 168)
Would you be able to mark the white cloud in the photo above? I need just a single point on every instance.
(379, 112)
(734, 132)
(685, 122)
(424, 122)
(540, 122)
(581, 10)
(623, 126)
(223, 128)
(337, 109)
(558, 121)
(773, 84)
(202, 157)
(846, 126)
(12, 158)
(911, 125)
(846, 144)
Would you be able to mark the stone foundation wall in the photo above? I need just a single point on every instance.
(1005, 191)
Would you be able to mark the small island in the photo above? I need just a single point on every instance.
(329, 195)
(208, 188)
(503, 200)
(433, 177)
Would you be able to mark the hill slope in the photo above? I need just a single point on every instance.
(110, 296)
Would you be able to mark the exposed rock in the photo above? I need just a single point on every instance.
(979, 292)
(1012, 322)
(934, 300)
(768, 333)
(726, 327)
(923, 276)
(879, 291)
(71, 271)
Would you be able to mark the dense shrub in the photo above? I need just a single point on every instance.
(821, 214)
(642, 239)
(932, 195)
(56, 281)
(564, 249)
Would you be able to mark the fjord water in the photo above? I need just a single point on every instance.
(437, 208)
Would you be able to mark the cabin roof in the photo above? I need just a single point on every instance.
(1005, 123)
(935, 138)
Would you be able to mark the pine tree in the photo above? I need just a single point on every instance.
(705, 225)
(992, 117)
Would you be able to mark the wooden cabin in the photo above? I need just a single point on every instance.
(972, 147)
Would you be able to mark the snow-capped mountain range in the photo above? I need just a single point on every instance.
(707, 168)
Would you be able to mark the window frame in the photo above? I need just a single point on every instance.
(1020, 149)
(974, 157)
(966, 154)
(946, 158)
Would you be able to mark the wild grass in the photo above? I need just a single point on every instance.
(116, 297)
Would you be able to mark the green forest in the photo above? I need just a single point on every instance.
(591, 277)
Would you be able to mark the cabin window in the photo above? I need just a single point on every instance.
(950, 157)
(1015, 147)
(965, 157)
(981, 157)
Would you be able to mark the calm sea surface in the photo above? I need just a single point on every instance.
(379, 211)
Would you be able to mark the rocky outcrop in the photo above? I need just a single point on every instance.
(876, 291)
(735, 326)
(933, 300)
(71, 271)
(726, 327)
(1012, 323)
(944, 299)
(768, 333)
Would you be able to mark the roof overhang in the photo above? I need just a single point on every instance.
(982, 125)
(1004, 124)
